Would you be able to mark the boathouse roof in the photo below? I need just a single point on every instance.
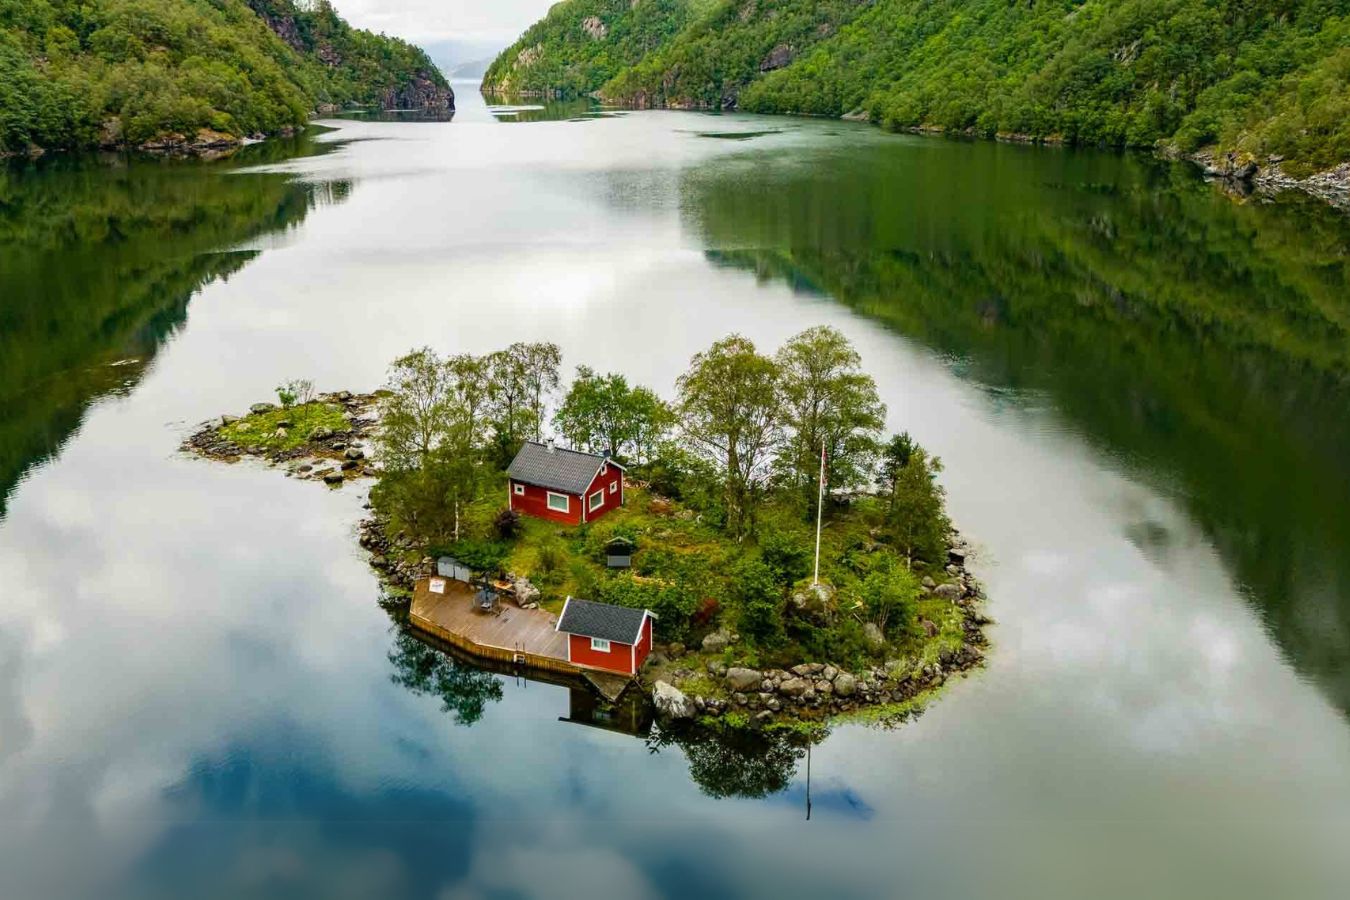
(547, 466)
(602, 620)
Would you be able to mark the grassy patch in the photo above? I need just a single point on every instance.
(264, 432)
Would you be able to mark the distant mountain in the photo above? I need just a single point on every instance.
(475, 68)
(1250, 80)
(194, 74)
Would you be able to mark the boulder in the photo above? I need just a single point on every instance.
(806, 669)
(947, 591)
(828, 673)
(355, 453)
(845, 685)
(332, 477)
(258, 409)
(717, 667)
(716, 642)
(956, 556)
(794, 687)
(321, 433)
(676, 650)
(814, 601)
(671, 703)
(343, 396)
(742, 679)
(928, 582)
(228, 420)
(824, 687)
(874, 636)
(526, 592)
(281, 433)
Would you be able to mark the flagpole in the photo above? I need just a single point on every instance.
(820, 505)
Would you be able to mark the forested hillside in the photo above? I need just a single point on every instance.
(1265, 79)
(84, 73)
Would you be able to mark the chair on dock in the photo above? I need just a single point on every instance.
(485, 599)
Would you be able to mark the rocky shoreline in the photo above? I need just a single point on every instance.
(332, 456)
(701, 687)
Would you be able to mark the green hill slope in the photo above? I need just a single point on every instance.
(84, 73)
(1262, 79)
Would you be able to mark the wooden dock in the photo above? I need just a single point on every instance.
(508, 634)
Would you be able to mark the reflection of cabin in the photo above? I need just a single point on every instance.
(631, 714)
(603, 636)
(567, 486)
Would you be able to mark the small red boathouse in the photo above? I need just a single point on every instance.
(603, 636)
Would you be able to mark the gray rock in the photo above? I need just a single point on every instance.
(676, 650)
(845, 685)
(739, 699)
(828, 673)
(947, 591)
(526, 592)
(873, 634)
(671, 703)
(928, 582)
(355, 453)
(258, 409)
(717, 667)
(815, 601)
(742, 679)
(806, 669)
(824, 687)
(343, 396)
(321, 433)
(716, 642)
(332, 477)
(956, 556)
(228, 420)
(794, 687)
(281, 433)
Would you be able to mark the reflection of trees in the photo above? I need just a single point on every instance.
(736, 762)
(97, 264)
(1204, 342)
(464, 690)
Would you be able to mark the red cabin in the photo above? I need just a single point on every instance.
(563, 485)
(602, 636)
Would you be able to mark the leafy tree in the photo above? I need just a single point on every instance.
(737, 762)
(730, 407)
(831, 403)
(542, 361)
(890, 595)
(602, 414)
(759, 597)
(786, 554)
(896, 455)
(521, 376)
(917, 520)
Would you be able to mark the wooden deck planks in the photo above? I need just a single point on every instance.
(508, 631)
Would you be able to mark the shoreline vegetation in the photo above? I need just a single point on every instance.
(721, 504)
(192, 77)
(1257, 95)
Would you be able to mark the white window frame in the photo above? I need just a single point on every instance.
(520, 490)
(614, 486)
(566, 499)
(592, 504)
(599, 645)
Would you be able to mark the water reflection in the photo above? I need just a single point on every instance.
(99, 261)
(1202, 343)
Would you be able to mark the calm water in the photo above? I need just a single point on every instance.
(1138, 385)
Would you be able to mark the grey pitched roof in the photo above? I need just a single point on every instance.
(562, 470)
(601, 620)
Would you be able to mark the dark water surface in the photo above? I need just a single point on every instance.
(1138, 385)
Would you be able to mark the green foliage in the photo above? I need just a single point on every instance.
(121, 72)
(758, 596)
(787, 554)
(464, 691)
(479, 555)
(1260, 77)
(890, 595)
(603, 414)
(285, 428)
(916, 516)
(673, 602)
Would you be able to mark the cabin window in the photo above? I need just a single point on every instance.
(520, 490)
(604, 470)
(559, 502)
(597, 500)
(600, 645)
(613, 487)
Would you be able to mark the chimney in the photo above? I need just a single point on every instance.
(549, 445)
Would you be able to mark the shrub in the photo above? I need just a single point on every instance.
(507, 524)
(759, 601)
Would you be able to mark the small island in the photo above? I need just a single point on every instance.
(798, 565)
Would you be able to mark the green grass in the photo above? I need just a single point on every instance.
(258, 431)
